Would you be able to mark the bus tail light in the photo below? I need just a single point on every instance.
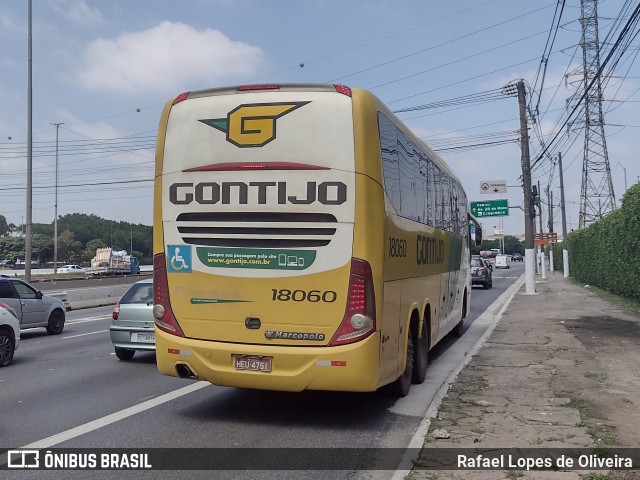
(162, 313)
(116, 311)
(343, 89)
(359, 319)
(180, 98)
(252, 88)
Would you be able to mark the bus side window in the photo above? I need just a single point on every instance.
(389, 152)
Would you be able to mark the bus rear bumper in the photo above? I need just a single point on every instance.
(353, 367)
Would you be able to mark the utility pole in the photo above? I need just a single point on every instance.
(529, 212)
(27, 240)
(565, 252)
(625, 175)
(550, 200)
(541, 231)
(540, 208)
(55, 214)
(550, 224)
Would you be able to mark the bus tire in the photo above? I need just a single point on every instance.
(458, 330)
(421, 356)
(401, 386)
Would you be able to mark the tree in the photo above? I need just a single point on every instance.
(11, 248)
(75, 253)
(65, 245)
(513, 245)
(42, 248)
(4, 227)
(42, 229)
(90, 231)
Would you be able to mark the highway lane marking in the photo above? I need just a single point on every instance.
(96, 317)
(109, 419)
(83, 334)
(89, 319)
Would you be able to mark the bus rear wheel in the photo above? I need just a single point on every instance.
(421, 356)
(401, 386)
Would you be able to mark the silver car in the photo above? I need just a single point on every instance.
(132, 327)
(33, 309)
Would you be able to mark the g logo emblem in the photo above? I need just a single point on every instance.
(252, 125)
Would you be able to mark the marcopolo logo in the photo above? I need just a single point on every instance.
(252, 125)
(276, 334)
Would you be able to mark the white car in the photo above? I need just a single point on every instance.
(71, 269)
(9, 334)
(503, 261)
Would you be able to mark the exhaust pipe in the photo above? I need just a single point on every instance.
(184, 371)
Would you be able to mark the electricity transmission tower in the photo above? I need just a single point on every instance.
(596, 197)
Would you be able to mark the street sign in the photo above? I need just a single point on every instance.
(551, 237)
(493, 186)
(490, 208)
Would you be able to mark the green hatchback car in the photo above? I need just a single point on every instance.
(132, 324)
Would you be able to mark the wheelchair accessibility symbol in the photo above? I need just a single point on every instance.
(179, 258)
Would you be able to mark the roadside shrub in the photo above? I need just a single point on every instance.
(605, 254)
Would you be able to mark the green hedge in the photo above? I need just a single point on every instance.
(606, 254)
(557, 256)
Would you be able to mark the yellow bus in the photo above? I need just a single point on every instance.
(304, 239)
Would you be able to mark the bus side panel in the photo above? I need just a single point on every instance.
(369, 226)
(158, 237)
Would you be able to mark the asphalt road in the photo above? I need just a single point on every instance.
(70, 391)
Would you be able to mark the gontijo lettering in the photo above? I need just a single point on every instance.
(429, 250)
(210, 193)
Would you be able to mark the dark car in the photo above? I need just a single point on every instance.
(481, 273)
(516, 257)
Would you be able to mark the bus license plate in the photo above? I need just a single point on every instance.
(143, 337)
(248, 362)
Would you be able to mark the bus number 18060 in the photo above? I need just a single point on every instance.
(313, 296)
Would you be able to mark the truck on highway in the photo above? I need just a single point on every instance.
(113, 262)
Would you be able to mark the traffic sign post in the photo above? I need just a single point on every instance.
(490, 208)
(545, 238)
(493, 186)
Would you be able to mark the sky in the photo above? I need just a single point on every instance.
(104, 70)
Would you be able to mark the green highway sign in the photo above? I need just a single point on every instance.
(490, 208)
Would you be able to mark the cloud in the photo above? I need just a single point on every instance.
(8, 20)
(77, 11)
(167, 58)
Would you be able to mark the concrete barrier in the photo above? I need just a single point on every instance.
(78, 298)
(62, 295)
